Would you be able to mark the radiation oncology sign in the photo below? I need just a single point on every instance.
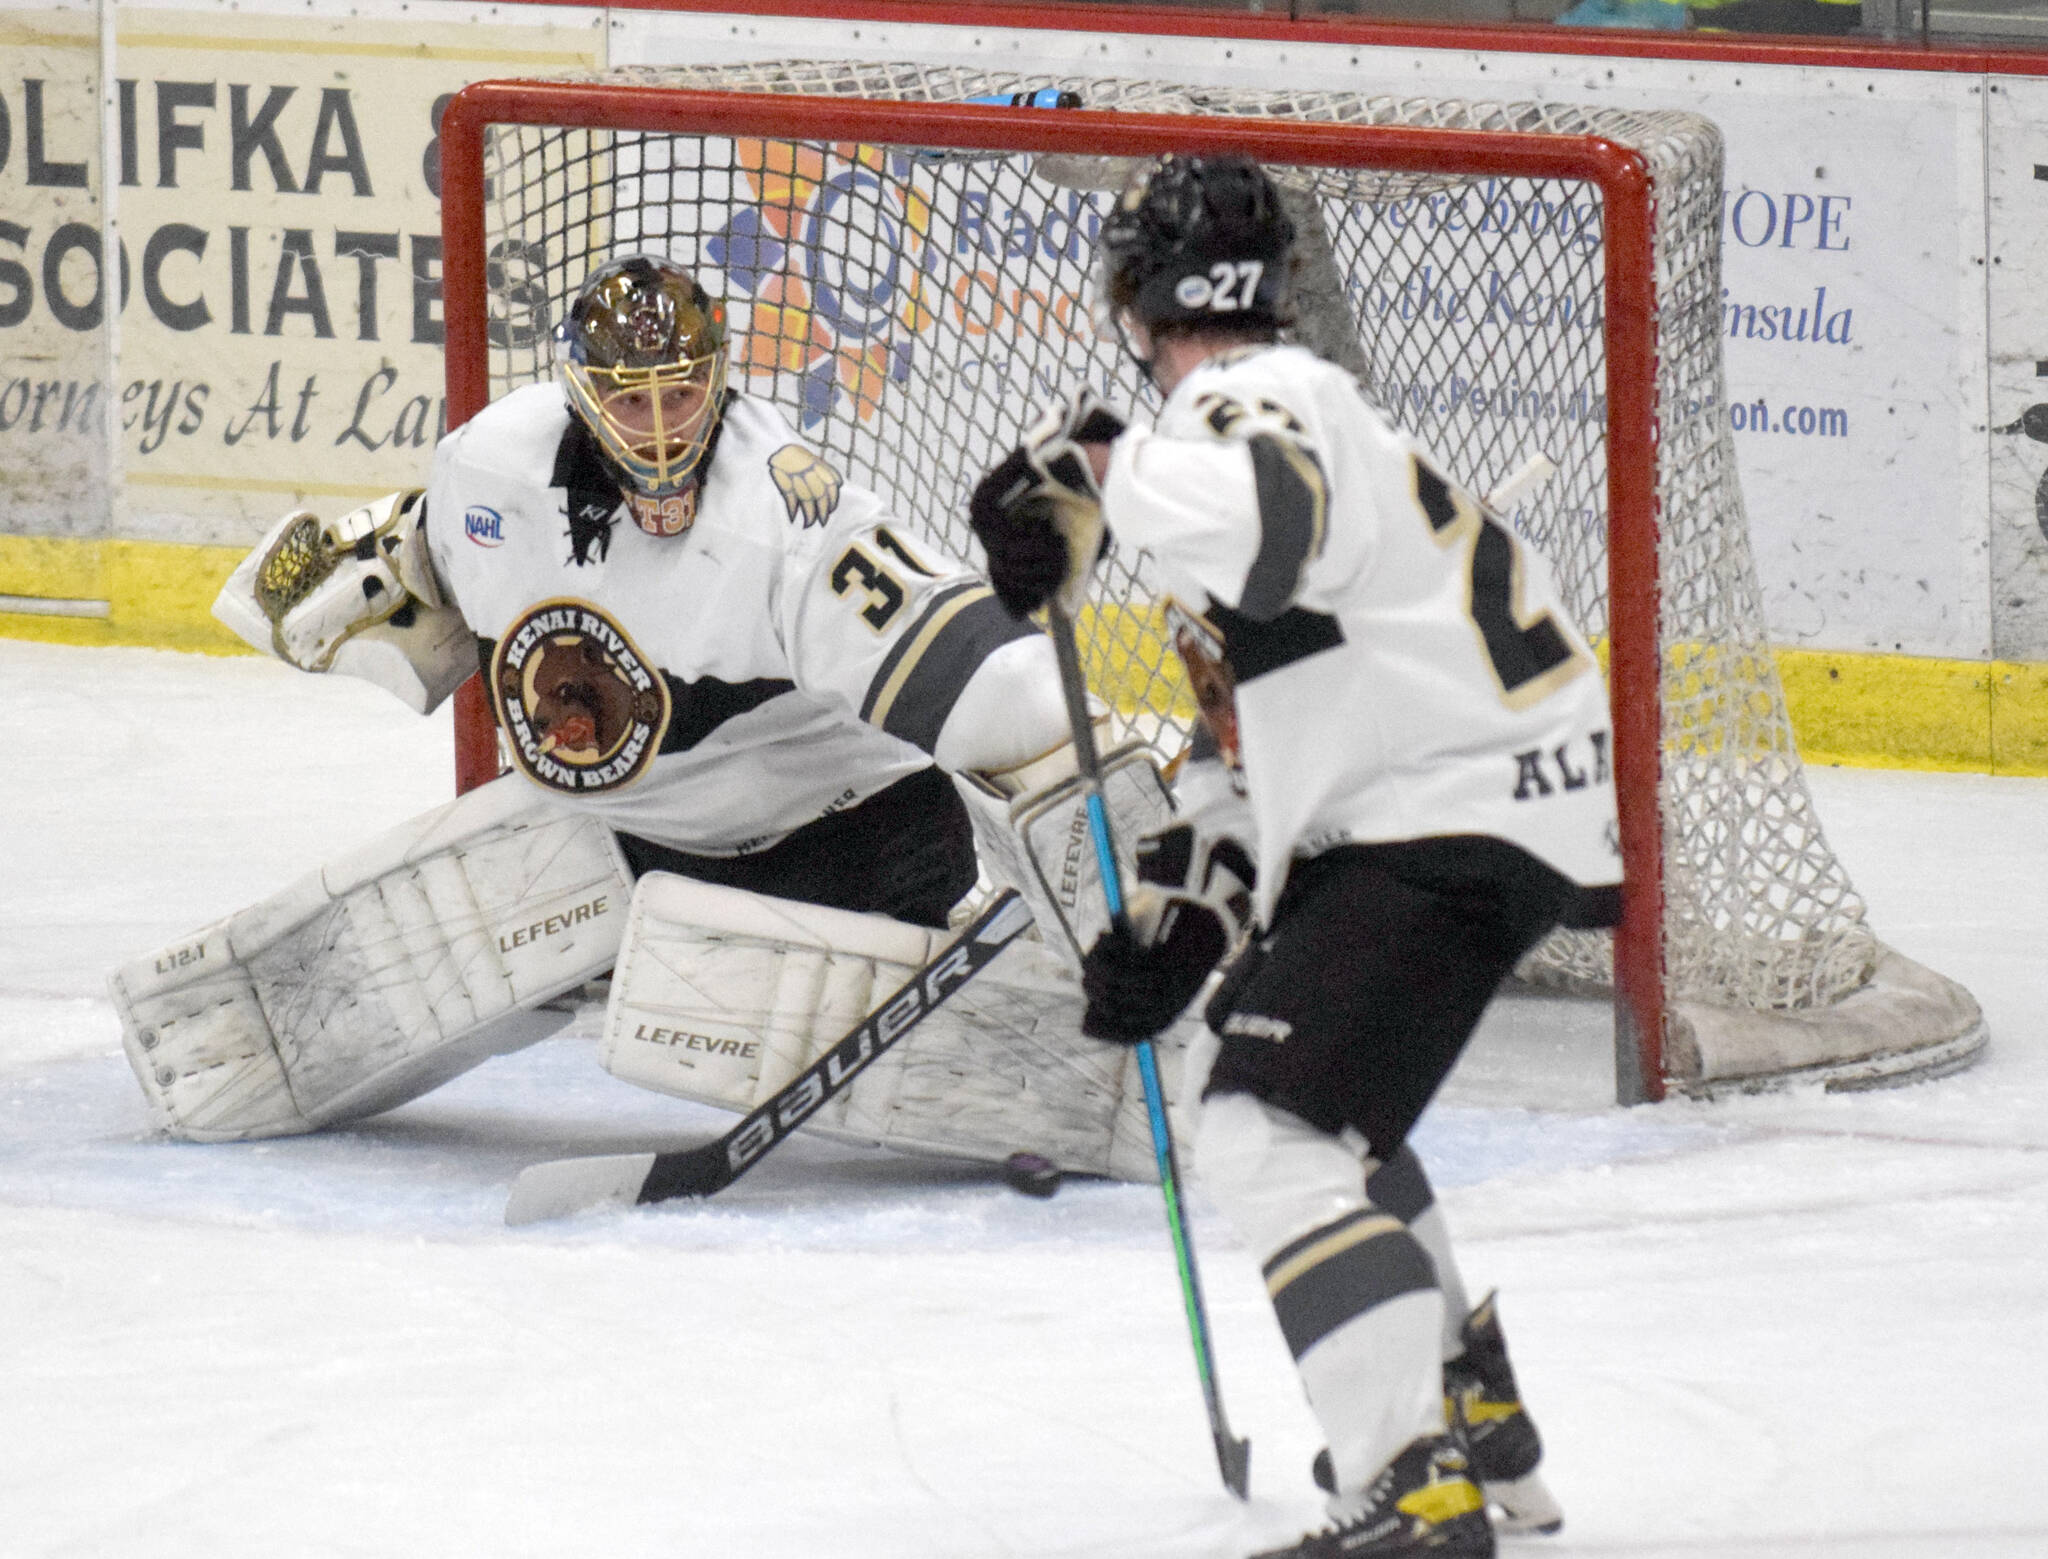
(270, 254)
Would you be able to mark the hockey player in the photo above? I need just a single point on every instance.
(1404, 783)
(710, 657)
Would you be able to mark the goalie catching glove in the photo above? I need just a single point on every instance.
(1039, 511)
(356, 595)
(1192, 903)
(320, 584)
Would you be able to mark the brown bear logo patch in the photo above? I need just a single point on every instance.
(583, 709)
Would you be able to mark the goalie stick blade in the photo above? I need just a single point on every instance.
(572, 1185)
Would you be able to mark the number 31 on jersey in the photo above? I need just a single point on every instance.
(879, 592)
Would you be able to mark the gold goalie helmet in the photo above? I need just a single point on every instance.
(643, 356)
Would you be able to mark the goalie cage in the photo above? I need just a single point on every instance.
(907, 276)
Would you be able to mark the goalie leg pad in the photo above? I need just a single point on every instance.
(723, 996)
(1003, 1068)
(413, 958)
(1041, 845)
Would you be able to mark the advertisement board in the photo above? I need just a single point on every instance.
(1853, 266)
(267, 332)
(2017, 365)
(274, 211)
(53, 345)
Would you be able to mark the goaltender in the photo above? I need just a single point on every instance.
(720, 671)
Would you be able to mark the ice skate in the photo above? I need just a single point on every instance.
(1484, 1409)
(1484, 1406)
(1423, 1503)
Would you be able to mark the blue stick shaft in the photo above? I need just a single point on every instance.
(1105, 855)
(1183, 1251)
(1233, 1456)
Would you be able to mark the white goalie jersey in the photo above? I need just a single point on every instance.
(713, 671)
(1322, 562)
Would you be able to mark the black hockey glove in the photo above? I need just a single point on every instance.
(1038, 512)
(1135, 990)
(1191, 904)
(1019, 529)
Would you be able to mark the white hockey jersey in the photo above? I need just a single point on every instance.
(785, 650)
(1403, 667)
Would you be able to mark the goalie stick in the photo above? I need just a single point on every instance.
(563, 1186)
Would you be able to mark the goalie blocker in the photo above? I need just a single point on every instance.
(1032, 834)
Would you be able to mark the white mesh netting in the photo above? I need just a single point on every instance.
(909, 308)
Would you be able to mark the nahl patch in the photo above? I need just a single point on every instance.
(484, 525)
(1256, 1025)
(583, 709)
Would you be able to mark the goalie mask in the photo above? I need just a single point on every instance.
(1194, 242)
(643, 357)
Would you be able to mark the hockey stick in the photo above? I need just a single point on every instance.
(1233, 1456)
(570, 1185)
(1530, 476)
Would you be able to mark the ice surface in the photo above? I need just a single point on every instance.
(1796, 1325)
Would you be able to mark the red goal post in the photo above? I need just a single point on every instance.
(1643, 653)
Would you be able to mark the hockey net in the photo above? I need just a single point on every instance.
(909, 304)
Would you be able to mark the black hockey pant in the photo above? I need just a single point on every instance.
(906, 852)
(1380, 962)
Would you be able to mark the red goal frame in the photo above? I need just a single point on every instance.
(1630, 338)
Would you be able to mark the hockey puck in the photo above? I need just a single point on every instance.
(1031, 1175)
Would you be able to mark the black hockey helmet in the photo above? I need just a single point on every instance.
(640, 325)
(1197, 241)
